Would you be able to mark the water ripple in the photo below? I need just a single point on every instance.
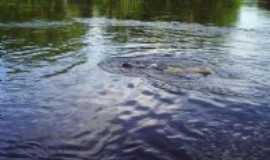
(68, 96)
(36, 24)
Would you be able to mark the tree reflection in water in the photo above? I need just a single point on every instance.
(221, 12)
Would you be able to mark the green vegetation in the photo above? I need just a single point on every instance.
(46, 23)
(218, 12)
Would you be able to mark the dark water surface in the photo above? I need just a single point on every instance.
(62, 98)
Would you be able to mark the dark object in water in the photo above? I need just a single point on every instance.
(176, 73)
(155, 66)
(126, 65)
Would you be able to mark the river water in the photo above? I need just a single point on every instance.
(57, 103)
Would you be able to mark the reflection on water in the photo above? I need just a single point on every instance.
(264, 4)
(217, 12)
(26, 48)
(209, 12)
(58, 102)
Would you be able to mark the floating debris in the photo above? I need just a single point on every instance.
(205, 71)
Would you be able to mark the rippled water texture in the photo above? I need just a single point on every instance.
(65, 95)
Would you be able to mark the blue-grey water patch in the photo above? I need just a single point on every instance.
(134, 79)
